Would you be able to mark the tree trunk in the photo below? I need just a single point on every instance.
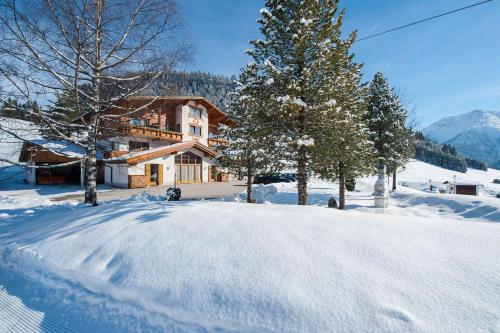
(302, 176)
(341, 185)
(93, 122)
(91, 176)
(394, 180)
(250, 198)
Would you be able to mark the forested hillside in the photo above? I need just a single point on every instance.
(444, 155)
(214, 87)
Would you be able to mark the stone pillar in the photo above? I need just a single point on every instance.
(381, 192)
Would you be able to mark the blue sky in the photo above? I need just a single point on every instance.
(445, 67)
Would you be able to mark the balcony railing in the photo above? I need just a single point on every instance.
(213, 142)
(149, 132)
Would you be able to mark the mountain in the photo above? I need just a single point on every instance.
(475, 134)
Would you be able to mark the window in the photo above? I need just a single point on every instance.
(194, 113)
(153, 173)
(195, 130)
(137, 145)
(135, 122)
(187, 158)
(188, 168)
(139, 122)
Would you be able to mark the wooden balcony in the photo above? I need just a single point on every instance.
(213, 142)
(153, 133)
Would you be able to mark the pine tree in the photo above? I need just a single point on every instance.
(343, 151)
(11, 109)
(62, 115)
(386, 118)
(294, 63)
(253, 148)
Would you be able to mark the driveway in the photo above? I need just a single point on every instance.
(211, 190)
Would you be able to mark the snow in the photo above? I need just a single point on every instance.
(331, 102)
(61, 147)
(10, 146)
(305, 21)
(269, 81)
(449, 127)
(265, 12)
(475, 134)
(428, 263)
(299, 102)
(421, 173)
(283, 99)
(305, 141)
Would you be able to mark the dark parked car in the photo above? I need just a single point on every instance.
(272, 178)
(290, 175)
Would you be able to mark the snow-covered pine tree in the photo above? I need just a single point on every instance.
(343, 150)
(253, 148)
(61, 116)
(296, 37)
(386, 118)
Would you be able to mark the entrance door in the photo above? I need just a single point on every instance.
(154, 174)
(188, 168)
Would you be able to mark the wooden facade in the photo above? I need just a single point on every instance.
(212, 142)
(37, 155)
(152, 133)
(155, 117)
(466, 189)
(136, 131)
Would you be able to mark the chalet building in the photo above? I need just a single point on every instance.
(153, 141)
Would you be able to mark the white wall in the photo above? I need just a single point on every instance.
(182, 117)
(122, 171)
(168, 163)
(120, 175)
(30, 175)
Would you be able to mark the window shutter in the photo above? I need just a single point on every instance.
(147, 168)
(160, 174)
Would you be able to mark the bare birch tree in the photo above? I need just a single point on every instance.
(96, 51)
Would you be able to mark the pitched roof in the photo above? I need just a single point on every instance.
(61, 147)
(149, 154)
(50, 151)
(464, 183)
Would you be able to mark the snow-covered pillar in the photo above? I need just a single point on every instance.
(381, 192)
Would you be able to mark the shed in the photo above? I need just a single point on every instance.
(463, 187)
(64, 156)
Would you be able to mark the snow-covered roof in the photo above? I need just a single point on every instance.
(61, 147)
(463, 182)
(160, 151)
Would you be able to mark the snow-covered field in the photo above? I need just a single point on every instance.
(429, 263)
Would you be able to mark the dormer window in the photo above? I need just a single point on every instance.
(194, 113)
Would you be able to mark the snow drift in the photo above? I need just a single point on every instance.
(221, 266)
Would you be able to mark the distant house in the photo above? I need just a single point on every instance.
(169, 139)
(463, 187)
